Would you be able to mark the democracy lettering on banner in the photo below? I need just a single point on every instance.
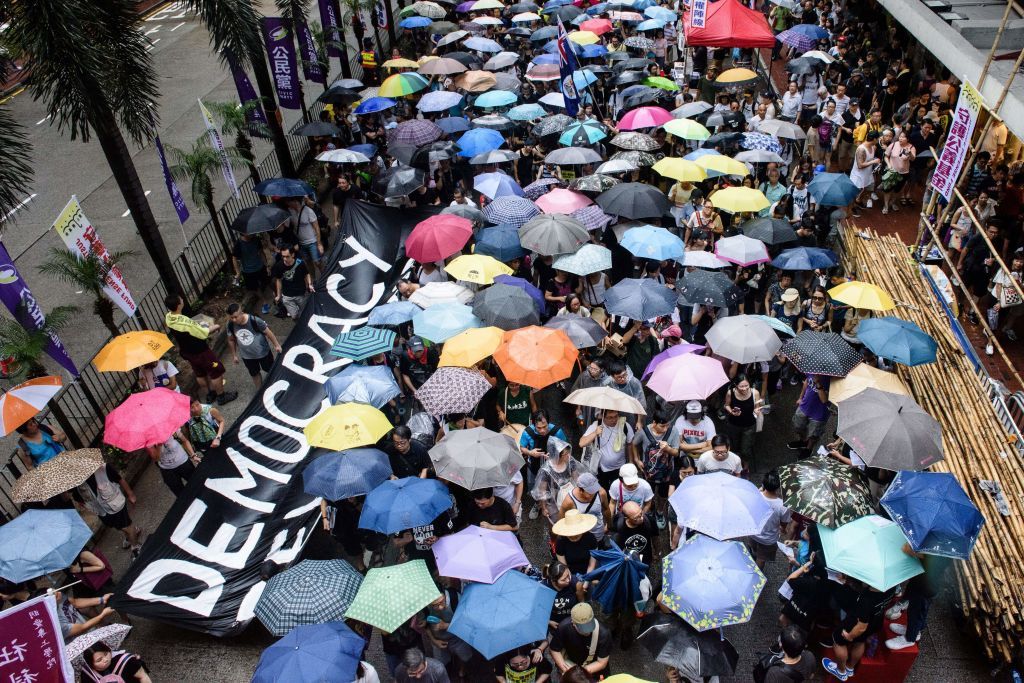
(18, 299)
(699, 12)
(311, 66)
(281, 51)
(180, 207)
(256, 117)
(32, 647)
(329, 21)
(218, 144)
(958, 142)
(81, 239)
(245, 504)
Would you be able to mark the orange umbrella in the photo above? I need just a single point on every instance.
(21, 403)
(536, 356)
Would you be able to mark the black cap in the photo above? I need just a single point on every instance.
(854, 100)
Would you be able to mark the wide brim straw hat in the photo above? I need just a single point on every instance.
(575, 523)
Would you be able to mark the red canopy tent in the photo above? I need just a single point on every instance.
(729, 23)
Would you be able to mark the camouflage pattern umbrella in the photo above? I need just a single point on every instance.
(826, 491)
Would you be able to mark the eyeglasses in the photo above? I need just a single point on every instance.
(400, 442)
(721, 451)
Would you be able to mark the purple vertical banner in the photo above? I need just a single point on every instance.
(18, 299)
(247, 93)
(281, 51)
(311, 66)
(33, 647)
(331, 33)
(172, 188)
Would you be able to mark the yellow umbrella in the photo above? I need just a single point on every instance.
(722, 165)
(864, 377)
(736, 78)
(583, 37)
(347, 425)
(862, 295)
(626, 678)
(468, 348)
(478, 268)
(686, 129)
(400, 63)
(740, 199)
(130, 350)
(680, 169)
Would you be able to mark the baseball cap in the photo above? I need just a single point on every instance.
(588, 482)
(629, 475)
(583, 618)
(694, 407)
(672, 331)
(415, 344)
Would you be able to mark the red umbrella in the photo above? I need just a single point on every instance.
(146, 419)
(438, 237)
(597, 26)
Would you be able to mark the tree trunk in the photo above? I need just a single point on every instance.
(391, 25)
(104, 308)
(346, 65)
(216, 224)
(266, 87)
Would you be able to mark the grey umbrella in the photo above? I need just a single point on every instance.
(890, 431)
(495, 156)
(744, 339)
(506, 307)
(507, 81)
(572, 156)
(311, 592)
(634, 200)
(467, 211)
(640, 142)
(769, 230)
(476, 458)
(552, 125)
(584, 332)
(691, 109)
(262, 218)
(554, 233)
(399, 181)
(640, 299)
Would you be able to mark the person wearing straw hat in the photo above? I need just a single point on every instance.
(588, 497)
(574, 542)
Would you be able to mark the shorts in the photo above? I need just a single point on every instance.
(812, 429)
(761, 552)
(255, 281)
(205, 364)
(660, 488)
(310, 253)
(256, 365)
(837, 636)
(117, 520)
(293, 305)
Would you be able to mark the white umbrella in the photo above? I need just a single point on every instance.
(434, 293)
(758, 156)
(342, 156)
(606, 398)
(703, 259)
(616, 166)
(553, 99)
(112, 635)
(502, 60)
(744, 339)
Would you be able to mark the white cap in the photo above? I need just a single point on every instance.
(694, 407)
(629, 475)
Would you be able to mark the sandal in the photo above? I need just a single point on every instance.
(885, 210)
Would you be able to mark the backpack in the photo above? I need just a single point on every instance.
(769, 660)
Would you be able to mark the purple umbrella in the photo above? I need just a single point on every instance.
(670, 352)
(417, 132)
(476, 554)
(465, 7)
(538, 188)
(592, 217)
(535, 294)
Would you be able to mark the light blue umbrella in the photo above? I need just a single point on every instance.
(497, 184)
(495, 98)
(650, 25)
(394, 313)
(497, 617)
(374, 385)
(592, 51)
(720, 505)
(590, 258)
(39, 542)
(351, 473)
(443, 321)
(374, 105)
(478, 141)
(582, 78)
(526, 112)
(698, 153)
(583, 133)
(545, 59)
(363, 343)
(453, 124)
(649, 242)
(501, 242)
(869, 549)
(400, 504)
(934, 512)
(285, 187)
(805, 258)
(482, 44)
(777, 325)
(661, 13)
(319, 652)
(640, 299)
(897, 340)
(439, 100)
(415, 22)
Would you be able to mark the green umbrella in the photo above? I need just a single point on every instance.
(826, 490)
(871, 550)
(389, 596)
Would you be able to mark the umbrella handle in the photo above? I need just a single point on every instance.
(51, 591)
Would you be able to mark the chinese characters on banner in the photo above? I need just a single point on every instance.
(330, 24)
(699, 13)
(281, 50)
(218, 144)
(958, 142)
(381, 15)
(81, 239)
(31, 644)
(256, 117)
(311, 66)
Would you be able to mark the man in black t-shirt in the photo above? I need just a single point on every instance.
(292, 282)
(424, 196)
(490, 512)
(417, 363)
(408, 458)
(863, 617)
(634, 532)
(518, 667)
(571, 642)
(340, 195)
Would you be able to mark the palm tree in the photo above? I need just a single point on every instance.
(197, 166)
(88, 62)
(234, 120)
(25, 347)
(88, 273)
(15, 171)
(352, 10)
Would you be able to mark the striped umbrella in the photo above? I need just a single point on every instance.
(452, 390)
(417, 132)
(802, 37)
(538, 187)
(23, 402)
(592, 217)
(363, 343)
(311, 592)
(401, 85)
(512, 210)
(424, 8)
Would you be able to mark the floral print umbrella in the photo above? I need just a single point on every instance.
(825, 490)
(452, 390)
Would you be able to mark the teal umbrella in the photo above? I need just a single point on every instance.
(869, 549)
(444, 321)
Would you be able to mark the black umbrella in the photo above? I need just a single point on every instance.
(722, 139)
(257, 219)
(730, 119)
(317, 129)
(673, 642)
(630, 64)
(628, 78)
(707, 287)
(338, 95)
(403, 152)
(518, 31)
(521, 7)
(617, 56)
(566, 12)
(769, 230)
(803, 65)
(634, 200)
(399, 181)
(506, 307)
(584, 332)
(821, 353)
(470, 61)
(552, 125)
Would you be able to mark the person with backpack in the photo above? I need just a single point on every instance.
(795, 664)
(106, 494)
(533, 443)
(251, 339)
(655, 448)
(205, 425)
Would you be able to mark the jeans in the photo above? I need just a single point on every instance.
(310, 253)
(177, 477)
(917, 615)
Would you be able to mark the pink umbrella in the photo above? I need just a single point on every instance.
(438, 237)
(543, 72)
(688, 377)
(644, 117)
(670, 352)
(146, 419)
(562, 201)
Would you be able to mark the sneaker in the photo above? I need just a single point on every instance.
(534, 512)
(661, 521)
(989, 349)
(833, 669)
(227, 397)
(869, 203)
(899, 643)
(898, 629)
(796, 445)
(894, 612)
(265, 309)
(794, 380)
(874, 195)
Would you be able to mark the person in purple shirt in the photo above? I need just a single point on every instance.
(811, 414)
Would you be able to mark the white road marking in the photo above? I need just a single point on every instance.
(178, 26)
(128, 212)
(42, 121)
(23, 203)
(175, 11)
(150, 48)
(154, 29)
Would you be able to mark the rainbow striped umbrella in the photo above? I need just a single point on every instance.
(403, 84)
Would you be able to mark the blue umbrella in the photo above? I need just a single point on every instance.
(526, 112)
(495, 98)
(545, 59)
(374, 105)
(439, 100)
(394, 313)
(649, 242)
(501, 242)
(442, 322)
(934, 512)
(619, 574)
(453, 124)
(805, 258)
(351, 473)
(599, 8)
(321, 652)
(581, 79)
(584, 133)
(497, 184)
(363, 343)
(478, 141)
(544, 33)
(366, 149)
(284, 187)
(516, 211)
(650, 25)
(897, 340)
(777, 325)
(660, 13)
(39, 542)
(482, 44)
(501, 616)
(832, 189)
(374, 385)
(415, 22)
(520, 283)
(698, 153)
(720, 505)
(592, 51)
(640, 299)
(400, 504)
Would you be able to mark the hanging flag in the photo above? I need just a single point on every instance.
(699, 12)
(958, 142)
(33, 648)
(172, 187)
(18, 299)
(330, 23)
(380, 14)
(281, 50)
(218, 144)
(81, 239)
(311, 66)
(256, 117)
(566, 65)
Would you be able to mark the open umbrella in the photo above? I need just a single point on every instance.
(554, 125)
(441, 322)
(897, 340)
(934, 513)
(670, 352)
(478, 141)
(146, 419)
(468, 348)
(311, 592)
(805, 258)
(634, 201)
(821, 353)
(539, 187)
(650, 242)
(694, 655)
(374, 385)
(438, 237)
(442, 66)
(399, 181)
(782, 129)
(393, 313)
(890, 431)
(864, 295)
(718, 165)
(501, 242)
(39, 542)
(526, 112)
(832, 189)
(316, 652)
(389, 596)
(111, 635)
(759, 156)
(702, 259)
(595, 182)
(417, 132)
(21, 403)
(592, 217)
(451, 390)
(802, 37)
(590, 258)
(825, 490)
(572, 156)
(254, 220)
(505, 306)
(680, 169)
(552, 234)
(862, 377)
(536, 356)
(399, 504)
(345, 426)
(562, 201)
(363, 342)
(744, 339)
(478, 555)
(351, 473)
(477, 268)
(584, 332)
(497, 617)
(702, 287)
(374, 105)
(497, 184)
(720, 505)
(740, 200)
(640, 299)
(606, 398)
(453, 124)
(768, 230)
(711, 583)
(61, 473)
(644, 117)
(637, 142)
(316, 129)
(869, 549)
(584, 133)
(283, 187)
(741, 250)
(437, 293)
(476, 458)
(618, 575)
(510, 211)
